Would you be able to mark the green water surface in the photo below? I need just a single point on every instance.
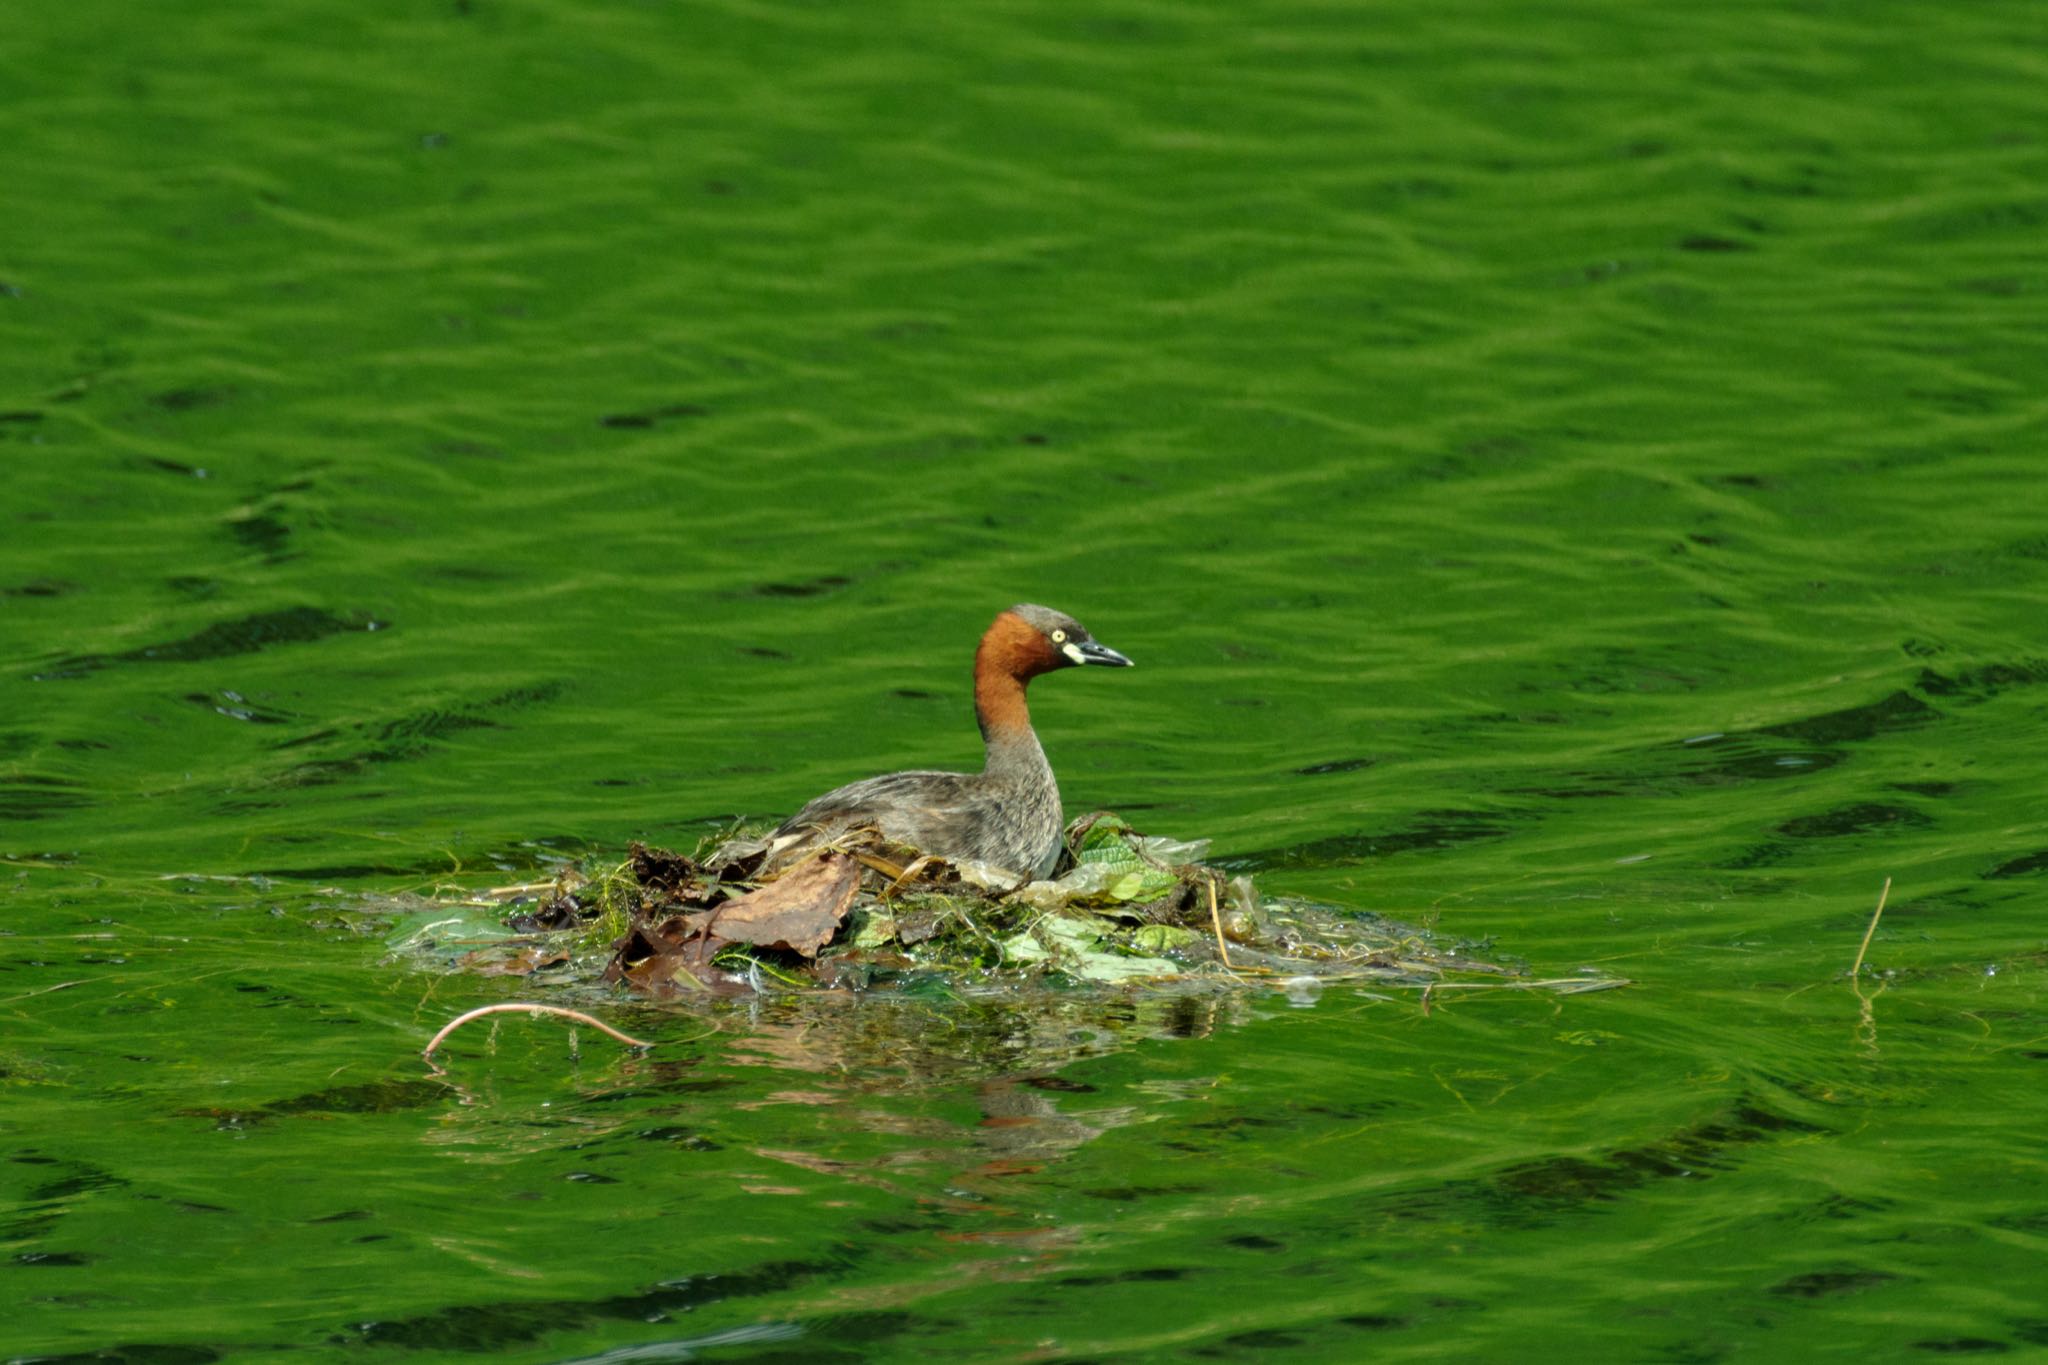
(1570, 476)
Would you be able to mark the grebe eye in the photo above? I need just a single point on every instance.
(1059, 637)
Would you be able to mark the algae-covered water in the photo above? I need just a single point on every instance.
(1570, 477)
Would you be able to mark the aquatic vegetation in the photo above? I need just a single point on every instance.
(1124, 908)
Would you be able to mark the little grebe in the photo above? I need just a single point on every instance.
(1008, 814)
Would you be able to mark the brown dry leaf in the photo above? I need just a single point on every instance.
(799, 911)
(650, 955)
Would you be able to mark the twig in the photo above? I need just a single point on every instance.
(906, 876)
(524, 1008)
(1216, 918)
(875, 862)
(1867, 933)
(45, 990)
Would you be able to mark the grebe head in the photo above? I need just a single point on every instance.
(1030, 639)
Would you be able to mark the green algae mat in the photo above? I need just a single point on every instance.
(1571, 478)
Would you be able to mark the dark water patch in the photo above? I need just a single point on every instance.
(1713, 242)
(54, 1258)
(1824, 1284)
(27, 796)
(301, 741)
(1756, 856)
(1929, 789)
(1963, 1346)
(1803, 184)
(40, 587)
(407, 737)
(1147, 1275)
(498, 1326)
(2035, 1221)
(2024, 866)
(32, 1226)
(652, 416)
(1430, 829)
(408, 734)
(1980, 220)
(1995, 286)
(475, 450)
(263, 533)
(1836, 1208)
(187, 1205)
(370, 1097)
(1340, 765)
(191, 398)
(244, 635)
(1983, 683)
(1131, 1194)
(82, 1180)
(1537, 1193)
(183, 471)
(1860, 818)
(1633, 671)
(1374, 1322)
(138, 1354)
(1856, 724)
(1255, 1342)
(469, 573)
(1587, 785)
(810, 587)
(235, 706)
(1734, 759)
(1762, 754)
(52, 857)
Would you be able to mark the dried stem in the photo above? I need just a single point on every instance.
(523, 1008)
(1216, 918)
(1867, 933)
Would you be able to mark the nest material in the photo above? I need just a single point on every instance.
(860, 912)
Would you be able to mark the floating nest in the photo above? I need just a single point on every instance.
(861, 913)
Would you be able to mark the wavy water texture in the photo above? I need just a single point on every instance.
(1568, 477)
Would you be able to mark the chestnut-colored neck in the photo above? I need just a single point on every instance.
(1011, 654)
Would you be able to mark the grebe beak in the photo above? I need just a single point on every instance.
(1093, 653)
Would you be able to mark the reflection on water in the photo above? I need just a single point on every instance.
(829, 1051)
